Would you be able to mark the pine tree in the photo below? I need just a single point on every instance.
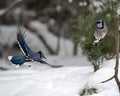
(85, 24)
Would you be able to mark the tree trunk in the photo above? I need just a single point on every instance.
(117, 54)
(75, 49)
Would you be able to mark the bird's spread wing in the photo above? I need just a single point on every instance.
(23, 45)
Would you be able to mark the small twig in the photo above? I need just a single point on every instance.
(108, 79)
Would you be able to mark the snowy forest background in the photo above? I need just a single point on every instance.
(48, 25)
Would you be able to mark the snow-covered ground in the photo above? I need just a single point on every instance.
(42, 80)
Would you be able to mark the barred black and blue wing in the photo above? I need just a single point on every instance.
(23, 45)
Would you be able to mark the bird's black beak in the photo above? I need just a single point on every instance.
(42, 56)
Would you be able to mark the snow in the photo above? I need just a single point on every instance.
(8, 35)
(68, 60)
(70, 1)
(42, 80)
(5, 65)
(42, 29)
(2, 12)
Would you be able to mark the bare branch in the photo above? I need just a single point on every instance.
(11, 7)
(108, 79)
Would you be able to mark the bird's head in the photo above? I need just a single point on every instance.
(41, 54)
(100, 24)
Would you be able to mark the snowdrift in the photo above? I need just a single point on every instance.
(41, 80)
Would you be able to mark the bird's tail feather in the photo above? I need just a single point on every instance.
(55, 66)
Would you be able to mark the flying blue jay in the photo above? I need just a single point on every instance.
(100, 30)
(29, 55)
(19, 60)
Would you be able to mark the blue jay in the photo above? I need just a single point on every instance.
(29, 55)
(100, 30)
(19, 60)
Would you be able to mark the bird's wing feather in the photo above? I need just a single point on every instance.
(42, 61)
(54, 66)
(23, 45)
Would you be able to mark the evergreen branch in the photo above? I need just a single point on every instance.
(102, 2)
